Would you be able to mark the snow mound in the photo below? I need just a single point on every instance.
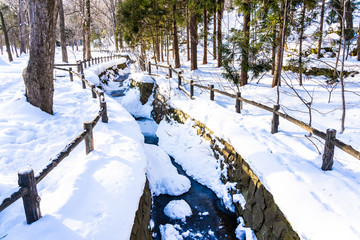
(168, 232)
(178, 209)
(163, 176)
(141, 77)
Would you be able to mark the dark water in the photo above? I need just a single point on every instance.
(209, 217)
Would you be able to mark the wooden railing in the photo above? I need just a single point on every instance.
(329, 136)
(27, 180)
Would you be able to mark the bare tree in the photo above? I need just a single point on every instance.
(205, 30)
(220, 11)
(6, 36)
(22, 26)
(194, 39)
(87, 29)
(62, 32)
(38, 76)
(175, 40)
(321, 28)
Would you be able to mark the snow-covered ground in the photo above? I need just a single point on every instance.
(318, 204)
(84, 197)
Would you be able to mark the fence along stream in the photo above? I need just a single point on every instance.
(26, 179)
(330, 140)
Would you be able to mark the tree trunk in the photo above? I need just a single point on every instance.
(187, 35)
(302, 23)
(246, 42)
(1, 46)
(82, 19)
(175, 41)
(38, 76)
(219, 32)
(14, 46)
(162, 46)
(321, 28)
(205, 35)
(214, 36)
(281, 43)
(5, 31)
(22, 26)
(358, 45)
(273, 52)
(87, 30)
(341, 72)
(157, 45)
(62, 32)
(193, 37)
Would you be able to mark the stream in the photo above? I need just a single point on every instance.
(209, 219)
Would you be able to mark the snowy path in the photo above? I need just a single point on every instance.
(85, 197)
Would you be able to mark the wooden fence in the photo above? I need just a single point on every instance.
(329, 136)
(26, 179)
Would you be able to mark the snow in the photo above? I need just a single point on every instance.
(243, 232)
(91, 196)
(288, 163)
(163, 176)
(194, 155)
(178, 209)
(168, 232)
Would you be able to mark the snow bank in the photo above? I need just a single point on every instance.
(91, 196)
(178, 209)
(168, 232)
(194, 155)
(163, 176)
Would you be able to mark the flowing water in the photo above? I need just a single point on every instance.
(209, 219)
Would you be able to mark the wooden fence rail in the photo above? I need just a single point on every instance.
(27, 181)
(329, 137)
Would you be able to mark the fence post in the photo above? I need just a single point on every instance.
(71, 74)
(93, 91)
(212, 92)
(84, 62)
(149, 68)
(329, 150)
(89, 138)
(275, 120)
(31, 200)
(78, 66)
(179, 81)
(104, 117)
(191, 88)
(170, 72)
(92, 61)
(238, 102)
(89, 62)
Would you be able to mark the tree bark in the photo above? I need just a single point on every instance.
(6, 37)
(214, 37)
(205, 35)
(175, 41)
(82, 19)
(302, 23)
(38, 76)
(193, 37)
(281, 42)
(88, 30)
(358, 45)
(157, 45)
(62, 32)
(22, 26)
(219, 31)
(321, 28)
(187, 35)
(273, 52)
(246, 44)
